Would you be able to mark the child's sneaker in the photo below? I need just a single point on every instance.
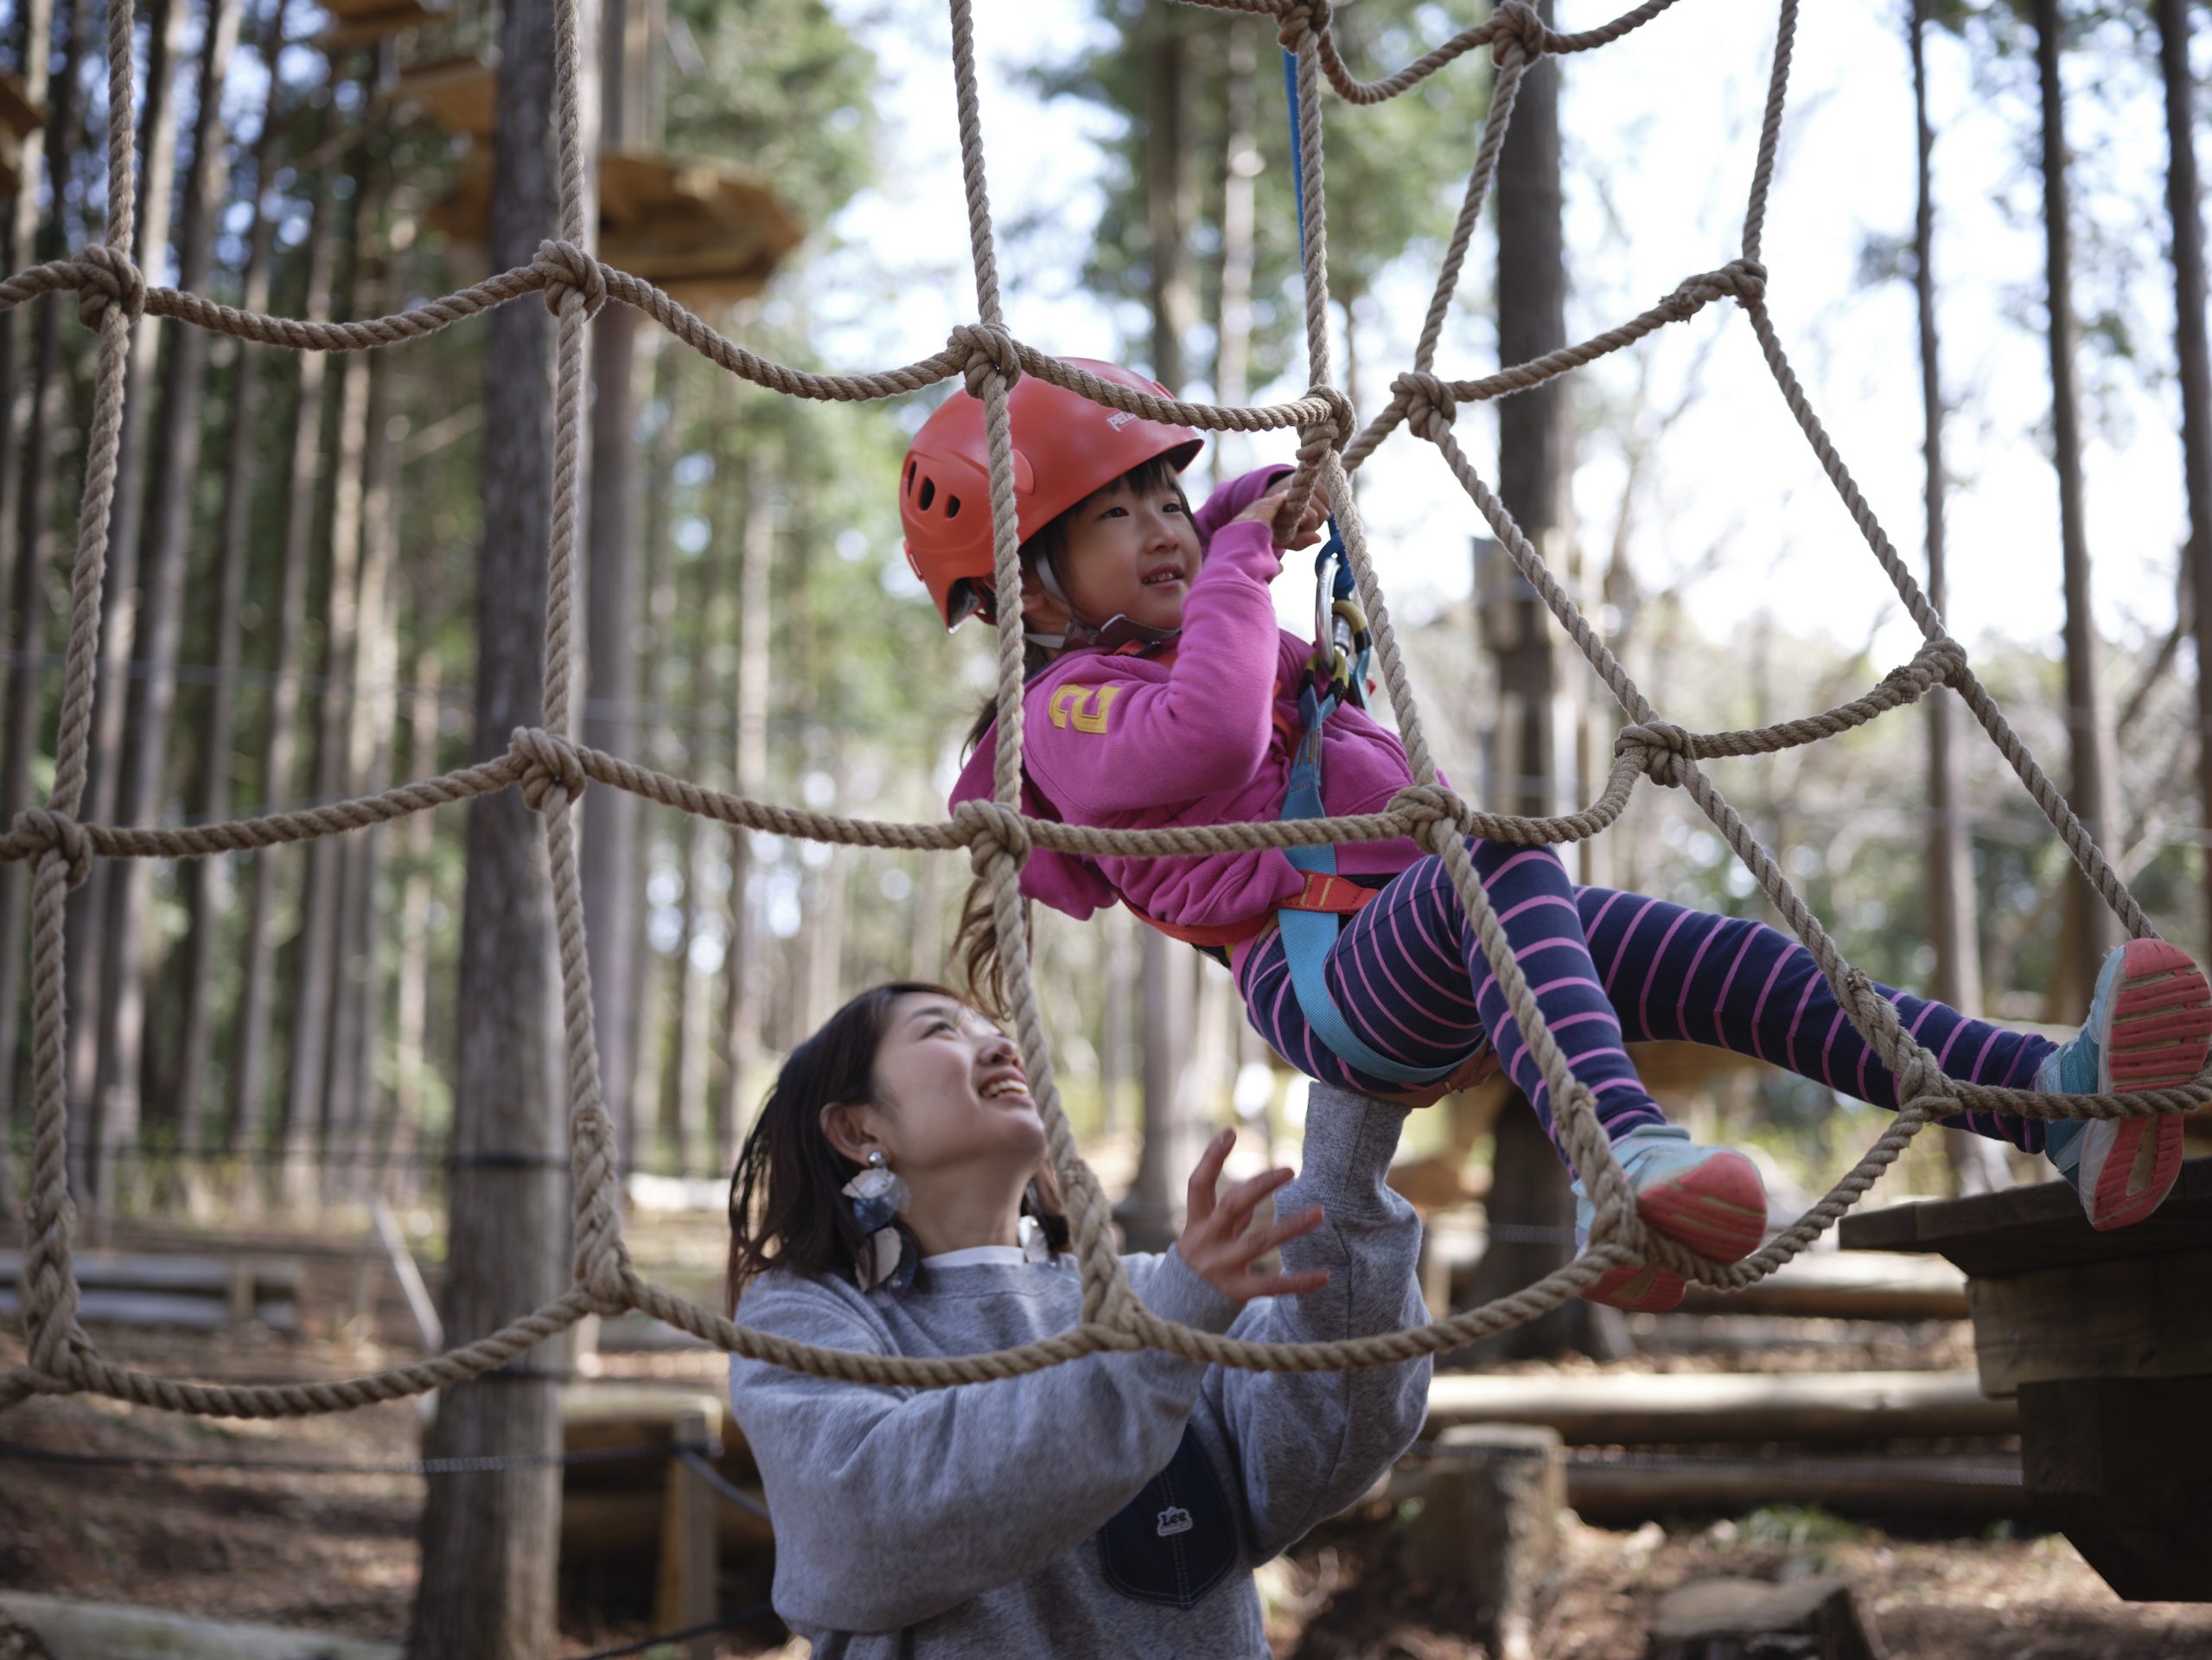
(2148, 1028)
(1708, 1199)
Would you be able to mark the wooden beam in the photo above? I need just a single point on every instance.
(2037, 1227)
(2095, 1320)
(1676, 1408)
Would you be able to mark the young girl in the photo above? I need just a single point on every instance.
(1161, 693)
(893, 1198)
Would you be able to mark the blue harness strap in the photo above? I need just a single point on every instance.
(1307, 935)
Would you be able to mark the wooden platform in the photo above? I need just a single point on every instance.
(1679, 1409)
(2105, 1340)
(204, 1293)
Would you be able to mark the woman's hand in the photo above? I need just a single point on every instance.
(1308, 530)
(1220, 1242)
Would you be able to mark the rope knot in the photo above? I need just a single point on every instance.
(1427, 396)
(1299, 18)
(569, 269)
(1334, 429)
(1517, 27)
(1424, 805)
(1744, 279)
(990, 348)
(1920, 1077)
(108, 276)
(551, 764)
(1668, 750)
(991, 830)
(49, 832)
(1943, 661)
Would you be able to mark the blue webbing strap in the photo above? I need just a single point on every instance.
(1307, 935)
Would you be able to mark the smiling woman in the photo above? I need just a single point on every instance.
(893, 1199)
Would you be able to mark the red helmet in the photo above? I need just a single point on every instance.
(1065, 447)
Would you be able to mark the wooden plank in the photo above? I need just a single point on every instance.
(196, 1313)
(1958, 1487)
(1836, 1285)
(686, 1592)
(1666, 1408)
(2037, 1227)
(105, 1631)
(2135, 1318)
(131, 1272)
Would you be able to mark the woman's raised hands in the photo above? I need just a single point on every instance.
(1220, 1242)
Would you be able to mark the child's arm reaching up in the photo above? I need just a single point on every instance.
(1109, 734)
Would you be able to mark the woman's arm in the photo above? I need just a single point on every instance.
(1310, 1444)
(891, 1505)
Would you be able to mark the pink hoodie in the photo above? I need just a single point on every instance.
(1202, 735)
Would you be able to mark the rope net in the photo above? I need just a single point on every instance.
(551, 768)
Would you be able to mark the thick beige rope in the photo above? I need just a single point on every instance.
(552, 770)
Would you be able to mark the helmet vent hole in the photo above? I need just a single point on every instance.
(928, 493)
(952, 506)
(909, 474)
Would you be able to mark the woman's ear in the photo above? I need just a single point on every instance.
(845, 1127)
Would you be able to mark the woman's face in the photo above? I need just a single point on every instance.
(949, 1093)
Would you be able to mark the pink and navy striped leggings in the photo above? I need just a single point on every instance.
(1410, 978)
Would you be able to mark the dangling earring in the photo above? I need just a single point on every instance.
(1036, 1246)
(887, 1257)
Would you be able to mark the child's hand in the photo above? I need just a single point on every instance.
(1220, 1242)
(1307, 531)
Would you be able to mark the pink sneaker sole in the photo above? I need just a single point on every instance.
(2157, 1031)
(1719, 1210)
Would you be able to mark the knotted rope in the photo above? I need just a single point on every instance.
(551, 770)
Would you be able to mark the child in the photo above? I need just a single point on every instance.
(1161, 693)
(893, 1198)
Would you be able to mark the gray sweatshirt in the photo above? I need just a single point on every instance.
(1114, 1505)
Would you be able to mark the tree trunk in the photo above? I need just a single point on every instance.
(358, 1002)
(31, 525)
(173, 465)
(208, 881)
(401, 1145)
(307, 1100)
(1233, 357)
(2092, 929)
(1977, 1164)
(279, 756)
(659, 583)
(98, 1043)
(609, 827)
(489, 1541)
(1148, 1215)
(1530, 1210)
(2184, 207)
(741, 1013)
(34, 22)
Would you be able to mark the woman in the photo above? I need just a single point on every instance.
(893, 1199)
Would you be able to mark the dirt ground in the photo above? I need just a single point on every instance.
(337, 1553)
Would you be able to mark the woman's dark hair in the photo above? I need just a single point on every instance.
(975, 947)
(784, 1208)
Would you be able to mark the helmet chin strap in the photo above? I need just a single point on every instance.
(1112, 634)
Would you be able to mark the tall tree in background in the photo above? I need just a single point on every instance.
(2091, 928)
(1530, 1209)
(1976, 1162)
(173, 466)
(106, 1088)
(2184, 208)
(490, 1541)
(1166, 970)
(207, 880)
(32, 419)
(610, 823)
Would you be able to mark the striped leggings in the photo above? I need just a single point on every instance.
(1607, 968)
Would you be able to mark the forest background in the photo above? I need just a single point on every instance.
(293, 597)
